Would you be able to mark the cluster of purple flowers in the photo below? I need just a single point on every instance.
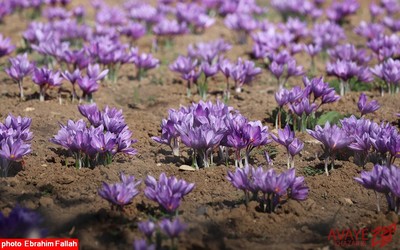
(348, 63)
(204, 127)
(46, 78)
(21, 223)
(206, 59)
(20, 68)
(384, 180)
(371, 141)
(5, 46)
(122, 193)
(143, 62)
(338, 11)
(284, 69)
(286, 137)
(300, 8)
(333, 139)
(107, 135)
(303, 103)
(88, 83)
(388, 72)
(366, 108)
(368, 140)
(9, 7)
(167, 191)
(171, 228)
(15, 137)
(275, 188)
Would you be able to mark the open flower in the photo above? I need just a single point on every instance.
(21, 223)
(122, 193)
(333, 139)
(168, 191)
(366, 108)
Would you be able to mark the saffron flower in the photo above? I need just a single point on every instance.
(21, 223)
(46, 78)
(172, 228)
(5, 46)
(366, 108)
(147, 228)
(88, 86)
(185, 66)
(383, 179)
(167, 192)
(107, 136)
(389, 72)
(273, 186)
(19, 69)
(346, 70)
(286, 137)
(72, 78)
(333, 139)
(143, 63)
(11, 151)
(122, 193)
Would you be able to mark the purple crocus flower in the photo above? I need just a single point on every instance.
(168, 191)
(19, 69)
(147, 228)
(144, 62)
(88, 86)
(94, 72)
(281, 97)
(303, 107)
(184, 66)
(345, 70)
(374, 180)
(72, 78)
(21, 223)
(366, 108)
(338, 11)
(240, 180)
(226, 67)
(284, 70)
(295, 147)
(172, 228)
(134, 30)
(285, 136)
(369, 30)
(12, 150)
(46, 78)
(375, 10)
(391, 179)
(122, 193)
(389, 72)
(169, 28)
(348, 52)
(297, 188)
(92, 113)
(327, 34)
(5, 46)
(143, 245)
(333, 139)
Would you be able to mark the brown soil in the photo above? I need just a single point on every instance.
(214, 212)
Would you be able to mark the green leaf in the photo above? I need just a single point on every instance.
(332, 117)
(312, 171)
(335, 84)
(358, 86)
